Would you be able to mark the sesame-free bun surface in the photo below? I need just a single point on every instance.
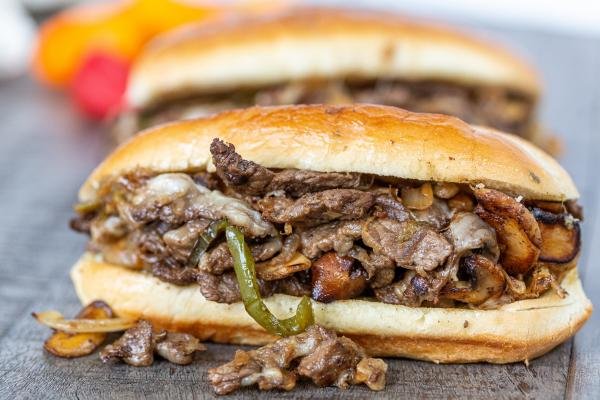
(309, 44)
(371, 139)
(518, 331)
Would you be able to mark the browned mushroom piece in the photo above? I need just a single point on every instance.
(517, 230)
(554, 207)
(561, 237)
(486, 281)
(504, 205)
(337, 278)
(518, 253)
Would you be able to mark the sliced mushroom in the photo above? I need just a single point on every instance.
(517, 230)
(70, 345)
(337, 278)
(561, 237)
(486, 281)
(554, 207)
(518, 253)
(505, 206)
(575, 209)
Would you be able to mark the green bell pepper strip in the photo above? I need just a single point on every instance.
(243, 264)
(205, 239)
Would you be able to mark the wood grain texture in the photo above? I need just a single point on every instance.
(46, 151)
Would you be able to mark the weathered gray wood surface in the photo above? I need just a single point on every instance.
(45, 153)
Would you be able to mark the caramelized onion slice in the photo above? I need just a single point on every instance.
(420, 198)
(70, 345)
(445, 190)
(561, 236)
(55, 320)
(462, 202)
(486, 281)
(272, 271)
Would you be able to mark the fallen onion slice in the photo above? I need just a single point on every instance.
(71, 345)
(55, 320)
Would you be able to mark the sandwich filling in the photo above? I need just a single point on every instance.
(334, 235)
(501, 108)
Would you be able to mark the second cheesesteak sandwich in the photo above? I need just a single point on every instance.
(414, 234)
(332, 56)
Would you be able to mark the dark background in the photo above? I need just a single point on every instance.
(47, 150)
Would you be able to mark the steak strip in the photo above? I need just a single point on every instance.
(324, 358)
(249, 178)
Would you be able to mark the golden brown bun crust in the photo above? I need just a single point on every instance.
(319, 44)
(371, 139)
(519, 331)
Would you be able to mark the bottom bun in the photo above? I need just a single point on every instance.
(518, 331)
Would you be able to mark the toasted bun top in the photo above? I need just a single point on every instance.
(318, 44)
(379, 140)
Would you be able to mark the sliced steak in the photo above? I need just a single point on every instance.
(389, 207)
(297, 183)
(181, 241)
(225, 289)
(410, 245)
(438, 215)
(219, 260)
(323, 357)
(333, 362)
(150, 244)
(249, 178)
(338, 236)
(414, 289)
(135, 347)
(179, 348)
(173, 274)
(296, 285)
(246, 177)
(317, 208)
(380, 268)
